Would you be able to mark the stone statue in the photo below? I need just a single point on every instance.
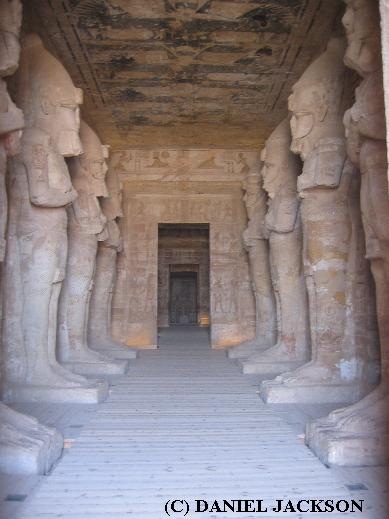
(359, 434)
(257, 246)
(99, 325)
(10, 23)
(333, 251)
(280, 171)
(39, 191)
(85, 226)
(26, 446)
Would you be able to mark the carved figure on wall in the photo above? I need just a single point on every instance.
(99, 324)
(359, 434)
(256, 243)
(39, 191)
(85, 226)
(328, 187)
(283, 223)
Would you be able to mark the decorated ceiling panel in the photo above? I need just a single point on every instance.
(184, 73)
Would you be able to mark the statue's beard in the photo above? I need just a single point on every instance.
(69, 143)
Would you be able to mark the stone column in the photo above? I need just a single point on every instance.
(99, 325)
(328, 187)
(39, 191)
(86, 223)
(359, 434)
(283, 224)
(257, 246)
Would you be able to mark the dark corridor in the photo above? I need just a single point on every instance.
(183, 298)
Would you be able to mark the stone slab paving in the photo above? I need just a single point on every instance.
(184, 423)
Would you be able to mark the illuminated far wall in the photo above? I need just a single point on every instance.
(183, 186)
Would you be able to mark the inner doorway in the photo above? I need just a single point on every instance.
(183, 275)
(183, 298)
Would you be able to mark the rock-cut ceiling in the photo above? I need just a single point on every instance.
(197, 73)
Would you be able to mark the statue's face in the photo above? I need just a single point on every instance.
(112, 206)
(10, 22)
(98, 169)
(303, 120)
(66, 117)
(251, 196)
(93, 162)
(362, 25)
(272, 159)
(11, 121)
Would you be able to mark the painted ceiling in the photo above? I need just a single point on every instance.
(197, 73)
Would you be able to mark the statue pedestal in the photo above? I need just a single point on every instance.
(26, 446)
(112, 349)
(282, 392)
(90, 369)
(117, 367)
(250, 367)
(334, 447)
(245, 349)
(94, 394)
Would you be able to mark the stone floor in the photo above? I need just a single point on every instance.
(184, 423)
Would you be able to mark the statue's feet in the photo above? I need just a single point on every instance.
(371, 418)
(245, 349)
(342, 413)
(69, 375)
(86, 355)
(51, 378)
(311, 373)
(280, 352)
(17, 419)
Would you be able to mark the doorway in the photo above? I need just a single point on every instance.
(183, 298)
(183, 275)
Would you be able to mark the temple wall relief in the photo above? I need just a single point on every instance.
(185, 186)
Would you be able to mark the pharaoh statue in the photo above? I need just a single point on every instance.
(333, 250)
(359, 434)
(256, 243)
(26, 446)
(99, 325)
(85, 228)
(280, 171)
(39, 191)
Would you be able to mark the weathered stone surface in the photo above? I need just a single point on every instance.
(25, 445)
(359, 434)
(283, 223)
(256, 243)
(39, 190)
(100, 308)
(334, 265)
(184, 186)
(85, 228)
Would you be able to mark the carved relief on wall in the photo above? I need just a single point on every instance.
(185, 165)
(150, 202)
